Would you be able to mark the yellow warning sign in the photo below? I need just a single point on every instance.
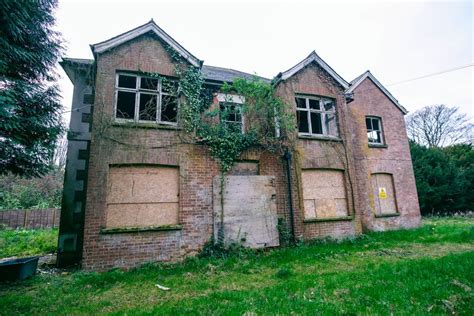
(382, 193)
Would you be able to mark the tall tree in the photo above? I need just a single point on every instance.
(439, 126)
(30, 111)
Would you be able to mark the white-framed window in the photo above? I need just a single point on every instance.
(230, 109)
(374, 130)
(145, 99)
(316, 116)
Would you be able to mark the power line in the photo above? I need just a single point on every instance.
(76, 109)
(432, 74)
(421, 77)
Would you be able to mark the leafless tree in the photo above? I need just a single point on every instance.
(439, 126)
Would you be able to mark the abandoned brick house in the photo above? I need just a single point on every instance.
(134, 193)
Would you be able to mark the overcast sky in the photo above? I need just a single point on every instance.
(395, 40)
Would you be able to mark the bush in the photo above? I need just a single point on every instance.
(22, 193)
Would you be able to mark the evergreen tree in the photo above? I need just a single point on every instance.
(30, 111)
(444, 177)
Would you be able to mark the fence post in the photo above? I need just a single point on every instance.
(25, 221)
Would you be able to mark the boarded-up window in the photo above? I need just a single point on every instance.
(142, 196)
(324, 194)
(384, 194)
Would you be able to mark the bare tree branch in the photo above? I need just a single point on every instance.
(439, 126)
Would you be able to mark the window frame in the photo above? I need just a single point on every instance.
(232, 99)
(138, 91)
(321, 111)
(381, 130)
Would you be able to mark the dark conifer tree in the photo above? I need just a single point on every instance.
(30, 108)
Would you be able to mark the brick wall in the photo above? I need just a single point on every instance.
(112, 144)
(394, 159)
(321, 154)
(30, 219)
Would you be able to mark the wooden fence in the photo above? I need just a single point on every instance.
(30, 219)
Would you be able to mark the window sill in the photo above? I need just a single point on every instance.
(120, 230)
(333, 219)
(378, 146)
(146, 125)
(386, 215)
(320, 137)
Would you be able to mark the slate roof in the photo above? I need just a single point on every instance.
(227, 75)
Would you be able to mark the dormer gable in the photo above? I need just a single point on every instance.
(368, 75)
(312, 58)
(150, 27)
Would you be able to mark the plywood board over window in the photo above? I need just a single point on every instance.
(142, 196)
(384, 194)
(324, 194)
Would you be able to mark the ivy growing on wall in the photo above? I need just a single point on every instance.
(267, 123)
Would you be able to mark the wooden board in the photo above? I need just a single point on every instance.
(384, 194)
(250, 213)
(324, 194)
(142, 196)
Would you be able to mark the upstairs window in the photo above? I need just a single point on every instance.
(374, 130)
(145, 99)
(230, 108)
(316, 116)
(231, 115)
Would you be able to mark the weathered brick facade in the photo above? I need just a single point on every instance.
(393, 158)
(114, 144)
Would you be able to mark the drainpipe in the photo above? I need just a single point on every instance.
(287, 157)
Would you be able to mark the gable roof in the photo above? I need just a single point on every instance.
(151, 26)
(313, 57)
(357, 81)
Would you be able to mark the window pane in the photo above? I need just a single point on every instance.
(170, 87)
(331, 124)
(379, 137)
(169, 108)
(301, 103)
(147, 107)
(149, 83)
(302, 117)
(374, 137)
(368, 123)
(316, 125)
(314, 104)
(375, 124)
(230, 112)
(127, 81)
(125, 105)
(328, 105)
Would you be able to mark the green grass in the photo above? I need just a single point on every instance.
(22, 242)
(426, 270)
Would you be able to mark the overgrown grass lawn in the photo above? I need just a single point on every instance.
(427, 270)
(22, 242)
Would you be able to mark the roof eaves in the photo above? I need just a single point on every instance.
(140, 30)
(72, 66)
